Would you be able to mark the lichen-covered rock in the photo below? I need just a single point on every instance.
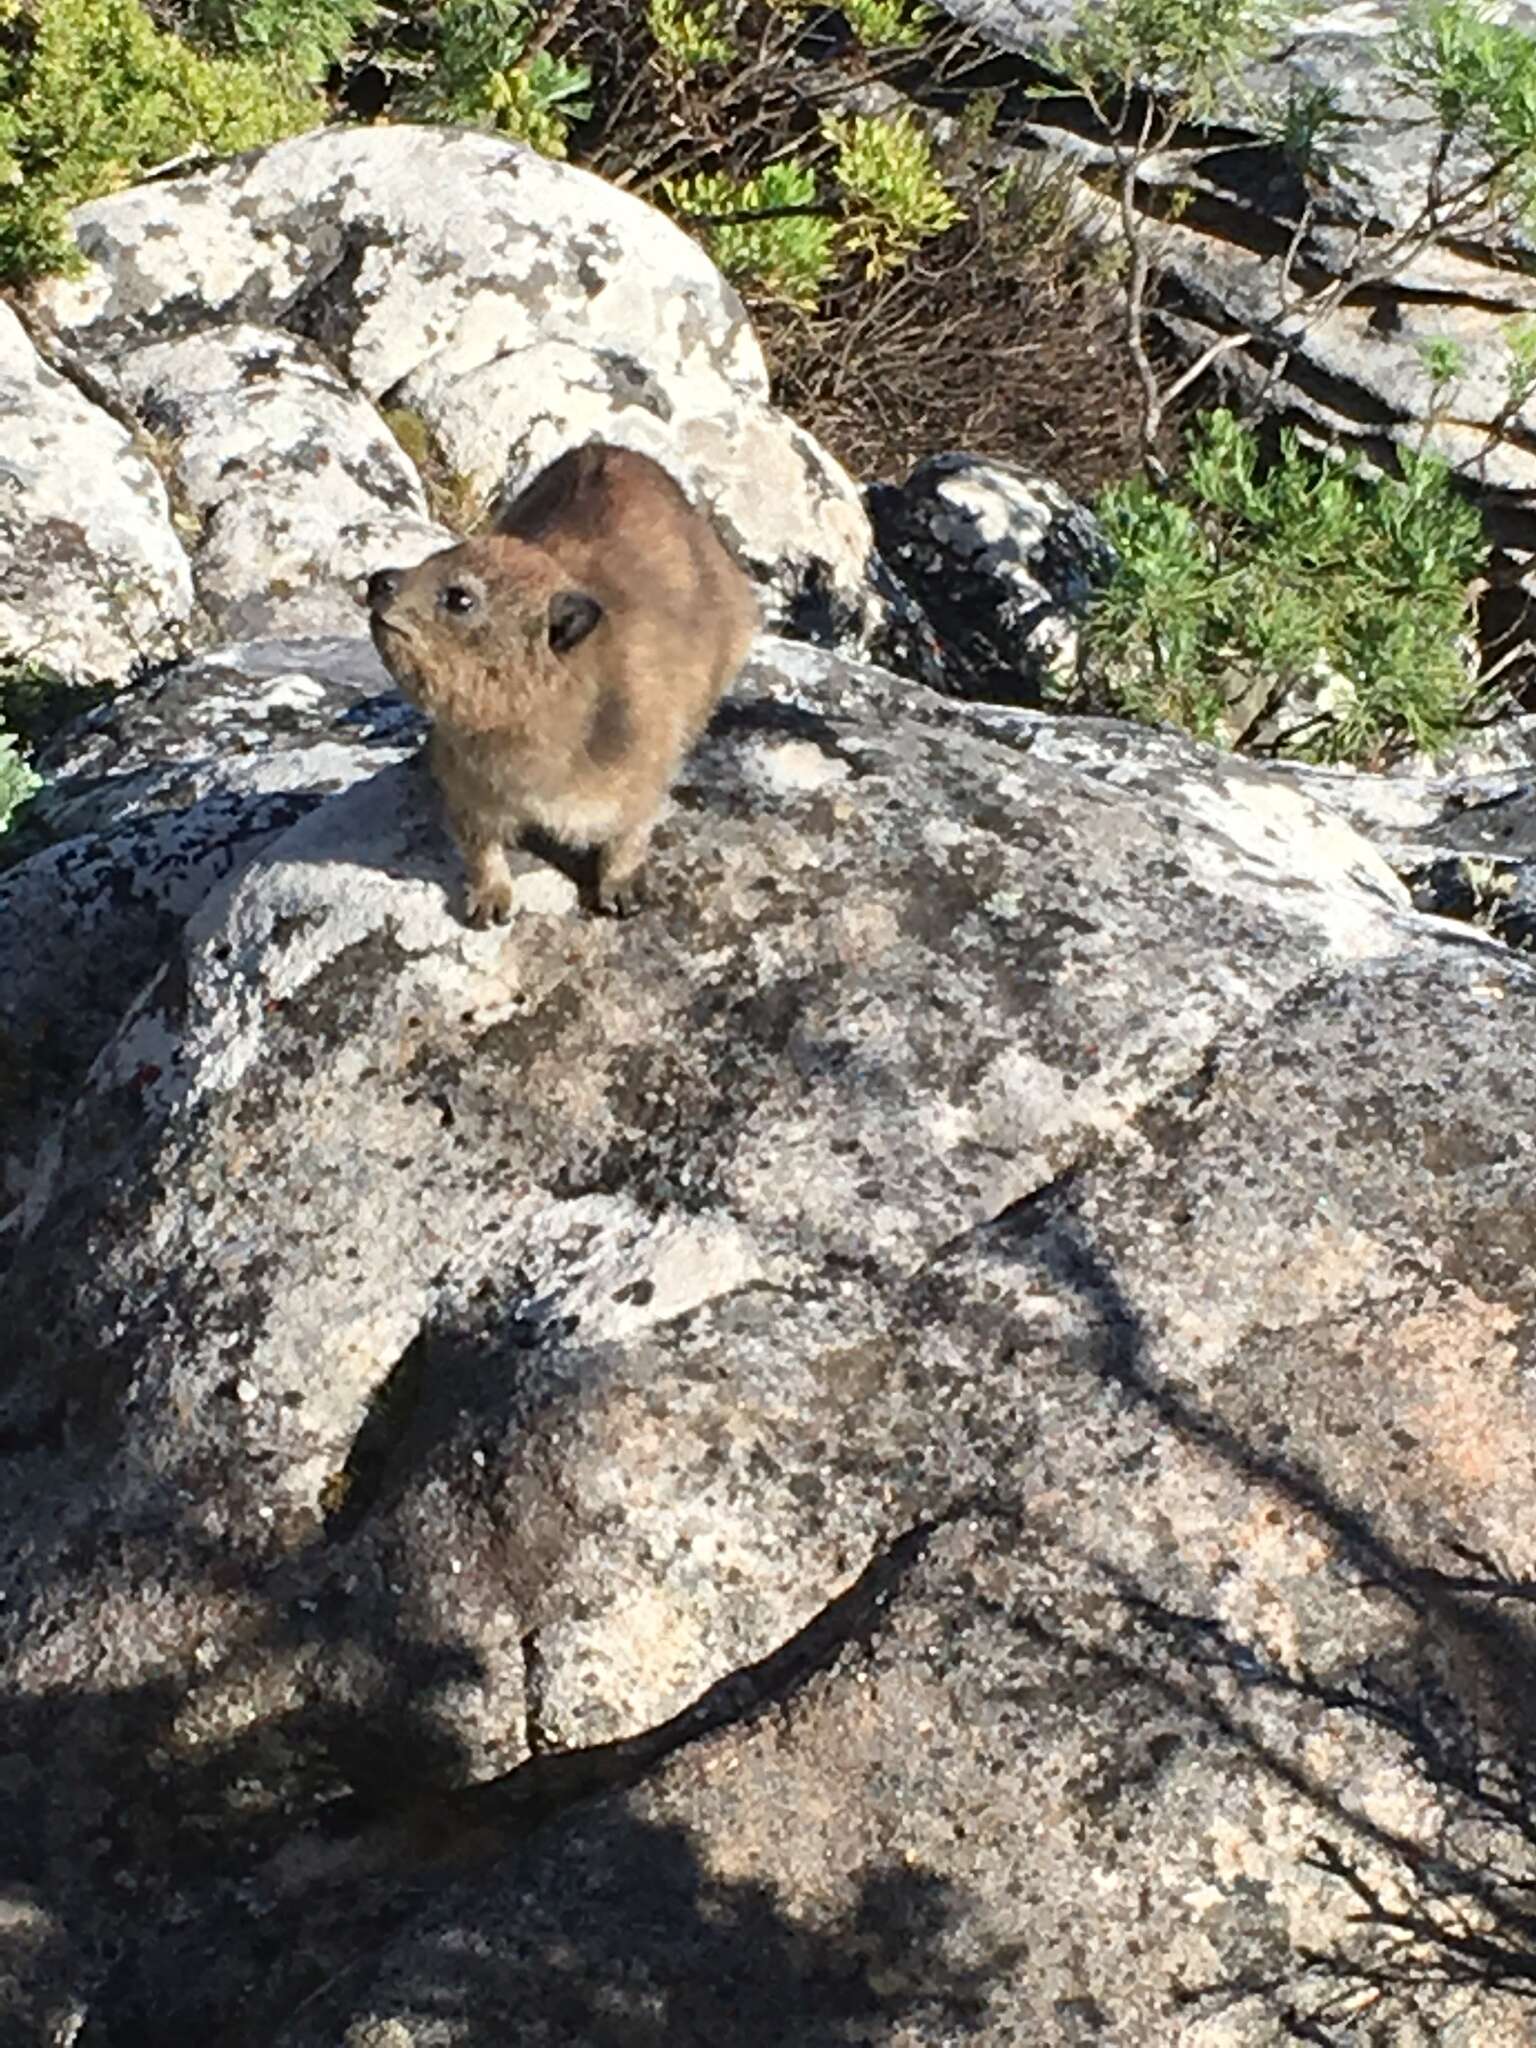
(393, 246)
(788, 511)
(1034, 1802)
(1002, 563)
(256, 716)
(156, 797)
(296, 484)
(92, 575)
(513, 305)
(1462, 838)
(450, 1356)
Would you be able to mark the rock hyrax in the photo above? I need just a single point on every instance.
(568, 660)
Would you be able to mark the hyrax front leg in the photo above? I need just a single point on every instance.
(478, 825)
(489, 898)
(620, 861)
(488, 878)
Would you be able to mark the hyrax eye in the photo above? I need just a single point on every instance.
(457, 599)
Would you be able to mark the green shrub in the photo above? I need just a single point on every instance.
(687, 37)
(1300, 575)
(890, 199)
(302, 37)
(35, 702)
(888, 24)
(17, 781)
(878, 24)
(481, 73)
(1188, 51)
(1479, 75)
(893, 196)
(1519, 339)
(92, 94)
(788, 258)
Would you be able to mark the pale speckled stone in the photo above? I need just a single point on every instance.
(297, 486)
(458, 245)
(516, 305)
(94, 577)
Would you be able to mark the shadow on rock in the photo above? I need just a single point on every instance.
(1453, 1908)
(635, 1945)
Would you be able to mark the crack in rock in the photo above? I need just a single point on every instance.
(474, 1823)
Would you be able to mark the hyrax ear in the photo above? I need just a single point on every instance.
(572, 615)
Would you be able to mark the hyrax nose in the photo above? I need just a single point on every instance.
(383, 586)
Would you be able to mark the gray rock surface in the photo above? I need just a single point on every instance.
(1463, 837)
(1386, 138)
(145, 806)
(969, 1374)
(509, 303)
(297, 486)
(93, 577)
(1003, 564)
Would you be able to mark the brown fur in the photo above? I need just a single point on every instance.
(568, 661)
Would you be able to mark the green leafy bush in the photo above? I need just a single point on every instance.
(890, 199)
(888, 24)
(784, 257)
(893, 196)
(1302, 575)
(1479, 75)
(302, 37)
(687, 37)
(17, 780)
(482, 72)
(92, 94)
(35, 702)
(1189, 51)
(878, 24)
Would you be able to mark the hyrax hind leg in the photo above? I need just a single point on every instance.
(620, 865)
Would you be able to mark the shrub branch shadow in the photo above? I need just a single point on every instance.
(1458, 1704)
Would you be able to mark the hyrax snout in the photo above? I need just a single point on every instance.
(567, 660)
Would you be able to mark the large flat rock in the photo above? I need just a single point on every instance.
(1020, 1264)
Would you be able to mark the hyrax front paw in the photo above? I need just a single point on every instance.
(490, 902)
(622, 899)
(621, 889)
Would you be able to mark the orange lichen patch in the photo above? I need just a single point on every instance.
(1277, 1548)
(1469, 1405)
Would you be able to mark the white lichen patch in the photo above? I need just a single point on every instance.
(794, 766)
(660, 1271)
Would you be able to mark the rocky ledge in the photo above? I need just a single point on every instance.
(933, 1437)
(1355, 376)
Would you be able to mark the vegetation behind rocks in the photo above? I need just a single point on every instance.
(915, 287)
(1246, 583)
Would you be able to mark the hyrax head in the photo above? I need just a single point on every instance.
(475, 623)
